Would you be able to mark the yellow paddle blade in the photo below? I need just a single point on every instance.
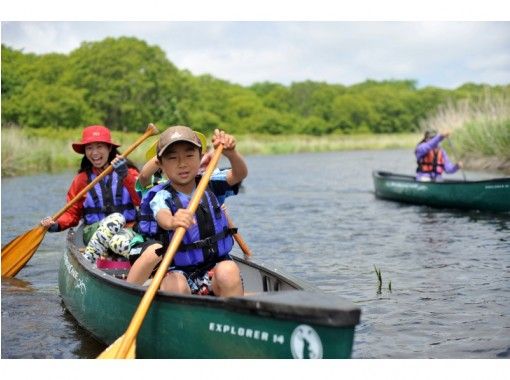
(16, 253)
(112, 350)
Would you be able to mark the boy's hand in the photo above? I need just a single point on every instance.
(238, 169)
(183, 218)
(228, 141)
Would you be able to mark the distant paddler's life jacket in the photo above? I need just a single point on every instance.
(209, 238)
(106, 197)
(432, 162)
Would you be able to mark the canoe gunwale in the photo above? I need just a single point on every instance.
(379, 174)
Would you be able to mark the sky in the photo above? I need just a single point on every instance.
(437, 53)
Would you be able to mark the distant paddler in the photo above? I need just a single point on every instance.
(432, 160)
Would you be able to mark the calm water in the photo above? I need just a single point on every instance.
(313, 216)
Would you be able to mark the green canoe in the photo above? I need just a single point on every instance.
(279, 317)
(486, 195)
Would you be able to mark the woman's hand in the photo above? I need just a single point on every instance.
(50, 224)
(120, 167)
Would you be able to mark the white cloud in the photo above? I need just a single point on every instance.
(444, 54)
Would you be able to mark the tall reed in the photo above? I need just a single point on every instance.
(480, 128)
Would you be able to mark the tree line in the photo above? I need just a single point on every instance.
(125, 83)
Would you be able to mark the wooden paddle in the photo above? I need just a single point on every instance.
(124, 347)
(237, 236)
(456, 156)
(17, 252)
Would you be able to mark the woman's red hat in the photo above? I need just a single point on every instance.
(94, 133)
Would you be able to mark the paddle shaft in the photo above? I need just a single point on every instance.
(456, 156)
(237, 236)
(143, 307)
(150, 131)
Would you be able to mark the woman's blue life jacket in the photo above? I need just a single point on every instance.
(206, 240)
(106, 197)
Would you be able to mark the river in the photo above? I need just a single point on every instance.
(313, 216)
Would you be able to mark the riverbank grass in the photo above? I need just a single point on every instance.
(44, 150)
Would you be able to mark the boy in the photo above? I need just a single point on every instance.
(208, 239)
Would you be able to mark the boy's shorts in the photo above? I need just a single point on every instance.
(199, 283)
(138, 248)
(199, 278)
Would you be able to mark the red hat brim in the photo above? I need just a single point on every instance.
(79, 147)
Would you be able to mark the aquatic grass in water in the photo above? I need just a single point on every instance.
(379, 281)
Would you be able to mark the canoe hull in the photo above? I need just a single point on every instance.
(490, 195)
(204, 327)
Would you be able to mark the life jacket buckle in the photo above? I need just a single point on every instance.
(108, 210)
(207, 242)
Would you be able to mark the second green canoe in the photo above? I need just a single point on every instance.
(486, 195)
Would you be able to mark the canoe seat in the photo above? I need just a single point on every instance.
(109, 263)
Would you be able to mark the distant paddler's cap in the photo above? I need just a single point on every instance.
(94, 133)
(173, 135)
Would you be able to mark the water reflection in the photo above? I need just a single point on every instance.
(16, 285)
(86, 345)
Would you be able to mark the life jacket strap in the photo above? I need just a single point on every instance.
(209, 241)
(148, 218)
(107, 209)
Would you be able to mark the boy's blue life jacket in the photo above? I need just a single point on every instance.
(208, 239)
(106, 197)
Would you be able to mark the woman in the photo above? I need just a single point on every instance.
(113, 196)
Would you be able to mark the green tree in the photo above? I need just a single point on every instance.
(273, 95)
(126, 81)
(42, 105)
(351, 113)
